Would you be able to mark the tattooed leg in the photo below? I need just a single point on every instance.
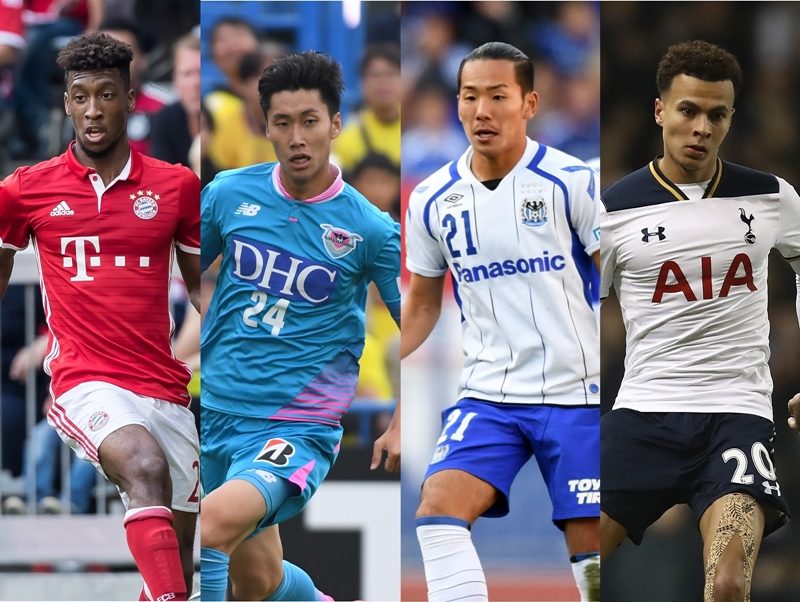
(732, 529)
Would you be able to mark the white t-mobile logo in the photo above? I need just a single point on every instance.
(80, 255)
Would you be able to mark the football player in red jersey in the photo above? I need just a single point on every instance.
(106, 222)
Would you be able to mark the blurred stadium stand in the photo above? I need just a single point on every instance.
(301, 26)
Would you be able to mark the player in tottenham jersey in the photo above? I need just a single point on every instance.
(105, 222)
(685, 244)
(514, 223)
(284, 331)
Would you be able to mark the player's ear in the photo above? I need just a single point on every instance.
(131, 100)
(530, 104)
(66, 105)
(336, 125)
(659, 112)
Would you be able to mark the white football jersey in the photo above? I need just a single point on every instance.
(520, 260)
(691, 277)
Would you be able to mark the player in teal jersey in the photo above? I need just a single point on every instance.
(284, 331)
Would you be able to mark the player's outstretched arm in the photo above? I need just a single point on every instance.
(189, 263)
(389, 442)
(6, 265)
(422, 306)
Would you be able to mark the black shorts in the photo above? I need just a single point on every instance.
(651, 461)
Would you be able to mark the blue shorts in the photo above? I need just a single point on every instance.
(492, 441)
(286, 461)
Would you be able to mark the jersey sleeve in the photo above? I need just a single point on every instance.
(797, 300)
(15, 230)
(788, 242)
(423, 254)
(210, 228)
(584, 193)
(187, 235)
(385, 271)
(608, 256)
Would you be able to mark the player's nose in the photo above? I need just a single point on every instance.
(296, 138)
(703, 125)
(482, 109)
(93, 109)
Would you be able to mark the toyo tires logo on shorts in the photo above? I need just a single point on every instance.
(276, 451)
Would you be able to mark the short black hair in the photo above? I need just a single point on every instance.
(699, 59)
(374, 160)
(500, 51)
(251, 64)
(388, 52)
(95, 51)
(303, 71)
(233, 22)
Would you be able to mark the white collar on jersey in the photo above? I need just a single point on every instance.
(465, 161)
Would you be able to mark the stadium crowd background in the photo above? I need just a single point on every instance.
(764, 135)
(524, 554)
(39, 474)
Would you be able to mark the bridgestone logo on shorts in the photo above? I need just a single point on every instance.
(276, 451)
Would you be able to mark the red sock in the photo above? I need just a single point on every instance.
(154, 546)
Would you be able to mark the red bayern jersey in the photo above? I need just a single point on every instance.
(105, 256)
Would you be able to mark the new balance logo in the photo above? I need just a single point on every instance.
(646, 234)
(248, 209)
(62, 209)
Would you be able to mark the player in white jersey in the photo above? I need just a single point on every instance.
(514, 223)
(685, 244)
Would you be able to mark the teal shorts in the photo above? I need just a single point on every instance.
(286, 461)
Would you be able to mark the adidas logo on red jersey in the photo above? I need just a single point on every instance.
(62, 209)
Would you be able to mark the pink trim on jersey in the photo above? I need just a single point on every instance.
(300, 476)
(59, 417)
(333, 190)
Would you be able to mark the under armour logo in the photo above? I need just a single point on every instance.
(646, 234)
(749, 238)
(768, 488)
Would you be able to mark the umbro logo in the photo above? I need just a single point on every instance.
(62, 209)
(646, 234)
(248, 209)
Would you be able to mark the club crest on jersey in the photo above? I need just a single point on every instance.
(749, 237)
(534, 213)
(276, 451)
(440, 453)
(145, 204)
(338, 241)
(97, 421)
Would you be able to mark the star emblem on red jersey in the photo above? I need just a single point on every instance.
(145, 204)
